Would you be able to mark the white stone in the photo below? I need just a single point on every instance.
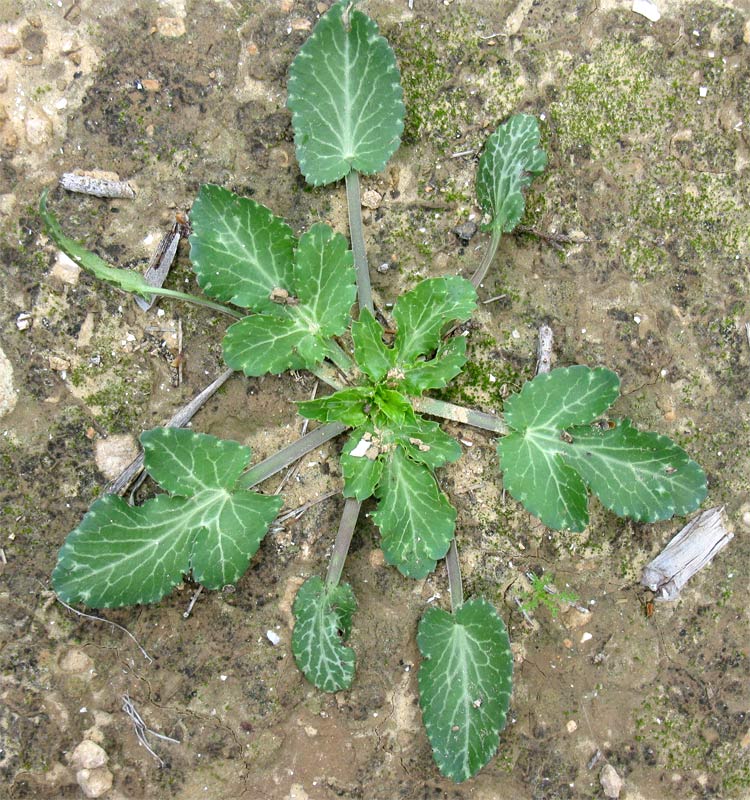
(114, 453)
(38, 128)
(371, 199)
(8, 393)
(88, 755)
(65, 269)
(94, 782)
(611, 782)
(171, 27)
(273, 637)
(647, 9)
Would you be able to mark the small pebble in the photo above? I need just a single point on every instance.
(586, 637)
(273, 637)
(88, 755)
(371, 199)
(150, 85)
(611, 782)
(171, 27)
(9, 43)
(94, 782)
(572, 726)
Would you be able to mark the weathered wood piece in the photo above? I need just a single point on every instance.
(687, 553)
(97, 186)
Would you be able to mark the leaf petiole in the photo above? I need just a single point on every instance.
(343, 540)
(467, 416)
(455, 586)
(489, 256)
(198, 301)
(289, 454)
(364, 290)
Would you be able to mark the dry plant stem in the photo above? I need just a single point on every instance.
(466, 416)
(455, 587)
(364, 291)
(343, 540)
(108, 622)
(480, 274)
(178, 420)
(289, 454)
(339, 356)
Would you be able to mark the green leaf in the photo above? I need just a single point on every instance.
(370, 352)
(563, 397)
(415, 518)
(126, 279)
(439, 371)
(423, 312)
(123, 555)
(510, 159)
(464, 685)
(392, 405)
(361, 471)
(636, 474)
(427, 442)
(345, 406)
(323, 620)
(551, 455)
(321, 291)
(240, 251)
(345, 96)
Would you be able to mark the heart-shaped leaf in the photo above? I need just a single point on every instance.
(240, 251)
(552, 455)
(122, 555)
(415, 518)
(313, 306)
(464, 685)
(345, 96)
(323, 622)
(510, 159)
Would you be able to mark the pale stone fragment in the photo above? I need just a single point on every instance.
(611, 782)
(65, 269)
(75, 661)
(172, 27)
(94, 782)
(8, 393)
(88, 755)
(647, 9)
(114, 453)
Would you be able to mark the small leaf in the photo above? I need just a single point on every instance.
(123, 555)
(126, 279)
(423, 312)
(551, 455)
(345, 406)
(322, 284)
(392, 405)
(510, 159)
(240, 251)
(427, 442)
(415, 518)
(361, 472)
(464, 685)
(439, 371)
(323, 620)
(345, 96)
(370, 352)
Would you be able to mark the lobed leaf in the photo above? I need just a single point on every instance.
(362, 472)
(438, 371)
(345, 96)
(552, 455)
(464, 685)
(423, 312)
(323, 620)
(345, 406)
(510, 159)
(239, 249)
(294, 334)
(128, 280)
(415, 518)
(123, 555)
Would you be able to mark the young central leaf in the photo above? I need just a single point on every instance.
(345, 97)
(323, 621)
(464, 685)
(510, 159)
(239, 250)
(122, 555)
(423, 312)
(553, 454)
(310, 307)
